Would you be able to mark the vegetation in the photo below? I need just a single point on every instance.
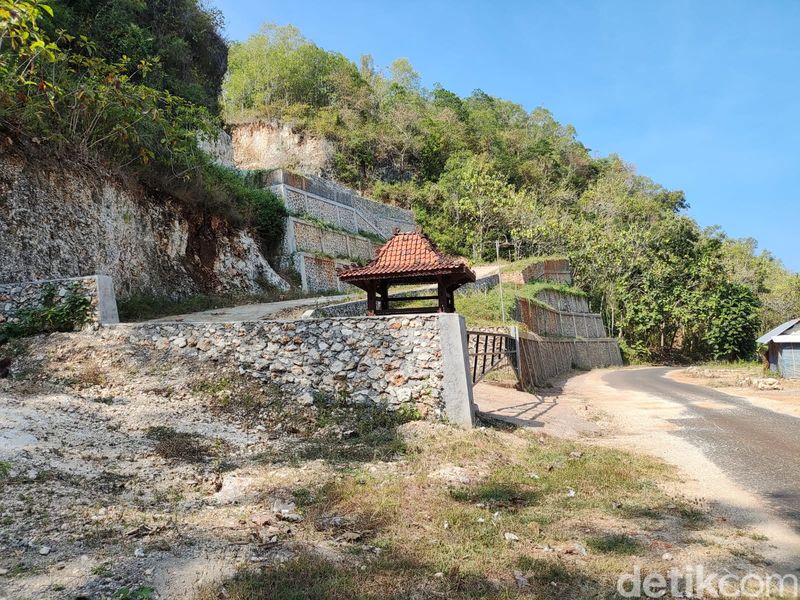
(136, 97)
(54, 314)
(180, 39)
(520, 516)
(134, 84)
(480, 169)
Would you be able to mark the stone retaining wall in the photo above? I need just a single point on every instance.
(98, 289)
(385, 360)
(547, 321)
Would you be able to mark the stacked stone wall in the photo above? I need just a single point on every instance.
(383, 360)
(98, 289)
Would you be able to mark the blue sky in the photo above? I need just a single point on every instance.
(700, 96)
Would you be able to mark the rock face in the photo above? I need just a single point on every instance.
(63, 220)
(274, 145)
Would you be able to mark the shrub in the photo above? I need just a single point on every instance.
(54, 314)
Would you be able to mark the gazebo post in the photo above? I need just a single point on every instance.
(371, 299)
(442, 289)
(384, 290)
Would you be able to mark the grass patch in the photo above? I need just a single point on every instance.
(245, 401)
(484, 309)
(178, 445)
(357, 433)
(520, 265)
(614, 543)
(448, 540)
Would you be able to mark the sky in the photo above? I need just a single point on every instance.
(699, 96)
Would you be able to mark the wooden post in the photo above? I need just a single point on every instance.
(371, 299)
(384, 290)
(442, 289)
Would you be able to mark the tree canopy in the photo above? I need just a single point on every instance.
(478, 169)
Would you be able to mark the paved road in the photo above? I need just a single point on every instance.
(251, 312)
(756, 447)
(256, 312)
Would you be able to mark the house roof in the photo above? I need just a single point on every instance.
(767, 337)
(408, 254)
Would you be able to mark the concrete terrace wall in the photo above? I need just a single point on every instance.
(338, 205)
(308, 237)
(540, 360)
(316, 252)
(386, 360)
(564, 302)
(547, 321)
(30, 295)
(556, 270)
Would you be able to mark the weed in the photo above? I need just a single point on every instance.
(139, 593)
(178, 445)
(614, 543)
(90, 376)
(55, 313)
(103, 570)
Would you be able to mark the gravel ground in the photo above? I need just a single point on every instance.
(125, 475)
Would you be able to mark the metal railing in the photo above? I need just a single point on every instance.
(489, 351)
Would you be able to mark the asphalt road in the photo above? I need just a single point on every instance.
(757, 448)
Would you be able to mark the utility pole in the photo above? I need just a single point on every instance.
(500, 279)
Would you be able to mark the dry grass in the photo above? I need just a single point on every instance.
(434, 525)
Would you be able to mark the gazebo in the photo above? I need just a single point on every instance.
(409, 258)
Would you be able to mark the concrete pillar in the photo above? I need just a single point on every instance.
(459, 405)
(106, 300)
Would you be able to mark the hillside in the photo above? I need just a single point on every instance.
(135, 98)
(480, 169)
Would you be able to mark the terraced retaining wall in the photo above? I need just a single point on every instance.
(391, 361)
(31, 294)
(564, 302)
(316, 251)
(557, 270)
(338, 205)
(547, 321)
(540, 360)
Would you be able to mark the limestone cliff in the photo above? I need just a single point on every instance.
(60, 219)
(264, 145)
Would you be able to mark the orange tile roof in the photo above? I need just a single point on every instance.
(407, 254)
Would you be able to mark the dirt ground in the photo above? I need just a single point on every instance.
(128, 475)
(732, 381)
